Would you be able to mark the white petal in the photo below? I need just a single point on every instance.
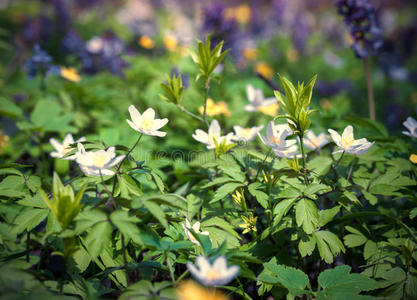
(250, 93)
(56, 154)
(149, 114)
(230, 273)
(270, 130)
(158, 133)
(68, 140)
(194, 271)
(196, 226)
(263, 139)
(56, 144)
(250, 108)
(335, 136)
(132, 125)
(220, 264)
(214, 128)
(203, 264)
(161, 122)
(134, 114)
(200, 136)
(348, 132)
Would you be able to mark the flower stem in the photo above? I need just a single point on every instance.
(125, 258)
(303, 160)
(371, 100)
(130, 151)
(333, 167)
(206, 90)
(259, 169)
(183, 109)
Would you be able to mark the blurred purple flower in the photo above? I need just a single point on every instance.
(330, 88)
(360, 18)
(72, 43)
(217, 25)
(40, 62)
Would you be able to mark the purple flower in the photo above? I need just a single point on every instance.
(360, 18)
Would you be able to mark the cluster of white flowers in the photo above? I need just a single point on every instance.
(99, 163)
(214, 274)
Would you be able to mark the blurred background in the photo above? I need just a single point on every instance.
(111, 53)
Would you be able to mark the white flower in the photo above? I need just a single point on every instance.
(276, 140)
(257, 99)
(411, 125)
(146, 123)
(64, 148)
(246, 134)
(216, 274)
(313, 142)
(95, 45)
(212, 135)
(196, 228)
(97, 163)
(347, 143)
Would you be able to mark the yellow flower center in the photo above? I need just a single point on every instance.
(246, 132)
(147, 124)
(347, 141)
(100, 160)
(275, 140)
(413, 158)
(213, 274)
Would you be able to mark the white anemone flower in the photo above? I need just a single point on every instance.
(257, 99)
(212, 136)
(276, 140)
(411, 125)
(196, 227)
(347, 143)
(213, 274)
(313, 142)
(97, 163)
(246, 134)
(62, 149)
(146, 123)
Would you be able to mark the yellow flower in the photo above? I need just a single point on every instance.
(146, 42)
(264, 69)
(250, 223)
(250, 53)
(70, 74)
(170, 42)
(413, 158)
(242, 13)
(4, 141)
(190, 290)
(292, 55)
(325, 104)
(270, 110)
(214, 109)
(239, 196)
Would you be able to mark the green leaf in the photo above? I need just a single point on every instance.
(338, 282)
(126, 224)
(225, 190)
(328, 245)
(281, 209)
(306, 215)
(157, 212)
(29, 218)
(326, 215)
(260, 196)
(292, 279)
(98, 236)
(306, 245)
(355, 238)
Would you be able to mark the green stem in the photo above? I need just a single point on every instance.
(206, 91)
(303, 160)
(125, 258)
(333, 167)
(259, 169)
(183, 109)
(27, 246)
(130, 151)
(371, 100)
